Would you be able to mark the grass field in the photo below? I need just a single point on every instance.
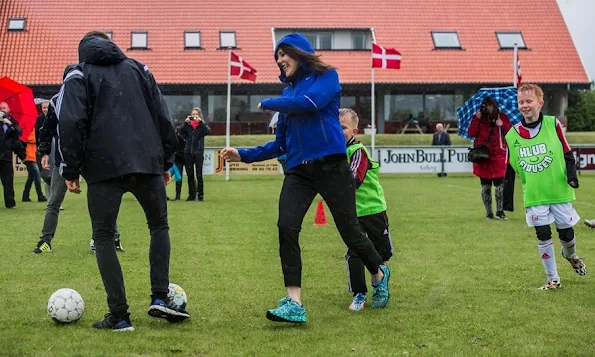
(461, 285)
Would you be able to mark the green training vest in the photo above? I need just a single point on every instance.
(541, 166)
(369, 197)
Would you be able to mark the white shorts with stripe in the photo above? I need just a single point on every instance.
(562, 214)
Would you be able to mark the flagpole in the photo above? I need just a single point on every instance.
(373, 98)
(227, 121)
(516, 59)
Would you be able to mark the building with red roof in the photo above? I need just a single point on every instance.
(450, 48)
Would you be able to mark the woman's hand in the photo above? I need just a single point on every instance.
(498, 122)
(231, 155)
(478, 114)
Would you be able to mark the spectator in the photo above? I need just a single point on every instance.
(179, 159)
(9, 135)
(44, 173)
(32, 170)
(194, 131)
(488, 127)
(441, 138)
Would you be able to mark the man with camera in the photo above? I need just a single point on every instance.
(9, 136)
(488, 129)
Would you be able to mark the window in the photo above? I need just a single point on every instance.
(191, 39)
(257, 98)
(360, 41)
(403, 107)
(109, 34)
(508, 39)
(325, 41)
(320, 40)
(348, 102)
(16, 24)
(139, 40)
(218, 107)
(227, 39)
(440, 107)
(446, 39)
(180, 106)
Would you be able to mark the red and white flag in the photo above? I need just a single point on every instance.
(241, 68)
(385, 57)
(519, 75)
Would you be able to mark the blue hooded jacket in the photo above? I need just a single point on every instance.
(308, 126)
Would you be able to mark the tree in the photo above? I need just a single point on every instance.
(581, 111)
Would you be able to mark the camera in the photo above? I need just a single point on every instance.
(485, 112)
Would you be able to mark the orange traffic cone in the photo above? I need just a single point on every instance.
(320, 219)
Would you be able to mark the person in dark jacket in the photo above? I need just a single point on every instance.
(179, 159)
(309, 132)
(9, 135)
(194, 130)
(46, 176)
(115, 130)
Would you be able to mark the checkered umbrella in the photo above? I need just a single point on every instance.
(506, 98)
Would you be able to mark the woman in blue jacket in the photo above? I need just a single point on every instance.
(309, 134)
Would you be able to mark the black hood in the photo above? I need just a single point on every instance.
(99, 51)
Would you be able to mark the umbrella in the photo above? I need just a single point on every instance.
(506, 98)
(21, 102)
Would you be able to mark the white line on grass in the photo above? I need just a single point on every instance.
(462, 187)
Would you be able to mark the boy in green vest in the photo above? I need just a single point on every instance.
(370, 206)
(540, 154)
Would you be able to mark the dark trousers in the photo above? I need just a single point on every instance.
(376, 228)
(332, 179)
(193, 163)
(180, 166)
(33, 177)
(104, 199)
(7, 178)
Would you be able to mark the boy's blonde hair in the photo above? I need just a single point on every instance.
(351, 113)
(529, 87)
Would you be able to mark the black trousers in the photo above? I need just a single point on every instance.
(180, 167)
(7, 178)
(331, 178)
(376, 227)
(193, 163)
(104, 199)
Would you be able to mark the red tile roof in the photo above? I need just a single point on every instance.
(54, 28)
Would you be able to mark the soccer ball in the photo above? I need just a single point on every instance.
(177, 297)
(65, 306)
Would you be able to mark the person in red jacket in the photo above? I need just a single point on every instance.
(488, 128)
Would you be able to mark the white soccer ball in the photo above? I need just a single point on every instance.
(177, 296)
(65, 306)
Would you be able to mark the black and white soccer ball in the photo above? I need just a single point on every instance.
(66, 306)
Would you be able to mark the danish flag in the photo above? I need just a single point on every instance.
(383, 57)
(241, 68)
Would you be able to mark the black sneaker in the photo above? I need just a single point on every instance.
(490, 216)
(42, 199)
(501, 215)
(26, 199)
(119, 246)
(115, 323)
(42, 247)
(200, 198)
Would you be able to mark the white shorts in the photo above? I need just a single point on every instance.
(563, 214)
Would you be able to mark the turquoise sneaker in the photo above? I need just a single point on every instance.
(358, 303)
(380, 290)
(288, 311)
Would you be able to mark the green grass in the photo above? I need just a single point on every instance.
(461, 285)
(381, 139)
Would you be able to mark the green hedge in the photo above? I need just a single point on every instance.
(381, 139)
